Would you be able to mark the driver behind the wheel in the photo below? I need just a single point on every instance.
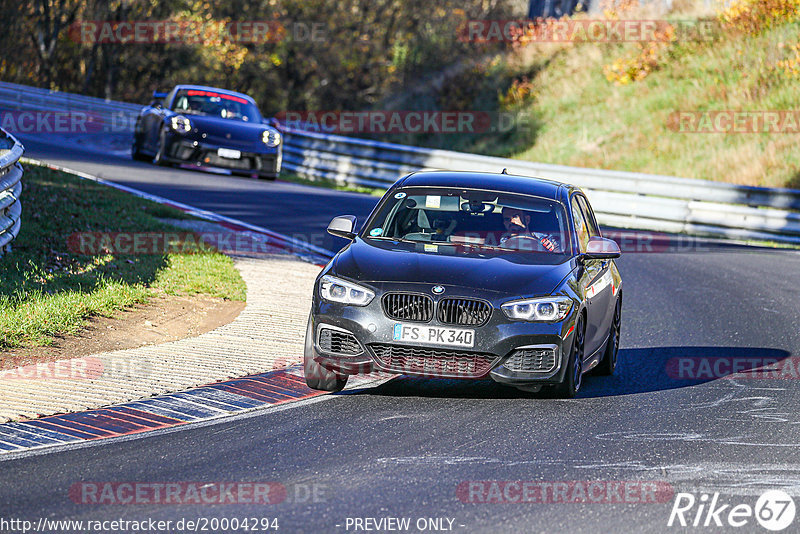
(517, 223)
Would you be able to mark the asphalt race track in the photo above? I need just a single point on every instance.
(410, 447)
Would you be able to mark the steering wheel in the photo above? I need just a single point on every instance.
(530, 243)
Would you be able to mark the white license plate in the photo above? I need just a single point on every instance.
(414, 333)
(229, 153)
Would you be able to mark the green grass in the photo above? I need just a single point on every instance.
(577, 116)
(588, 121)
(48, 290)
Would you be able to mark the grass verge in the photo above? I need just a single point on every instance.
(48, 290)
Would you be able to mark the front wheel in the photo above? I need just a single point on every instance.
(574, 373)
(136, 153)
(609, 361)
(317, 376)
(159, 157)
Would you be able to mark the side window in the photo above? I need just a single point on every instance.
(590, 220)
(168, 99)
(581, 230)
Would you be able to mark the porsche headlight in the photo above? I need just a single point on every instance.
(271, 137)
(180, 124)
(538, 309)
(337, 290)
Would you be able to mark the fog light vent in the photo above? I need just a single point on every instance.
(337, 342)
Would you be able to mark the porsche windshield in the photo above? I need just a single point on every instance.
(198, 102)
(478, 220)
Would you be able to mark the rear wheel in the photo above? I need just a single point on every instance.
(609, 361)
(317, 376)
(574, 373)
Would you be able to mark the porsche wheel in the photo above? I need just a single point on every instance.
(159, 157)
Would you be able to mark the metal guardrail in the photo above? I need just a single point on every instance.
(621, 199)
(10, 190)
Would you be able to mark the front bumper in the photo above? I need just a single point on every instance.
(266, 162)
(495, 350)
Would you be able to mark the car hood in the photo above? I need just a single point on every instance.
(227, 131)
(514, 274)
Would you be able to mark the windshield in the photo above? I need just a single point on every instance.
(198, 102)
(473, 220)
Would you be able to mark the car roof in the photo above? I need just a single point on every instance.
(510, 183)
(216, 90)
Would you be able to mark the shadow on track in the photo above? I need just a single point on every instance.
(640, 370)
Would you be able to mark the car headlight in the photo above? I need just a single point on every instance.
(271, 137)
(338, 290)
(180, 124)
(538, 309)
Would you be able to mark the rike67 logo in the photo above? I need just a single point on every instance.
(774, 510)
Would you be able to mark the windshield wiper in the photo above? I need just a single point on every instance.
(476, 245)
(399, 239)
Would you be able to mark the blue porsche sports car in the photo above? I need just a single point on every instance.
(208, 127)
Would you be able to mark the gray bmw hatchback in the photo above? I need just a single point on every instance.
(469, 275)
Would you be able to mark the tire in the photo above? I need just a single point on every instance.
(609, 361)
(158, 159)
(574, 373)
(136, 154)
(317, 376)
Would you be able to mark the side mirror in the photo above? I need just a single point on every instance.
(600, 248)
(343, 226)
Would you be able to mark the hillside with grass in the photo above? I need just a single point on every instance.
(613, 105)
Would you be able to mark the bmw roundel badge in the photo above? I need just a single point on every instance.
(438, 290)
